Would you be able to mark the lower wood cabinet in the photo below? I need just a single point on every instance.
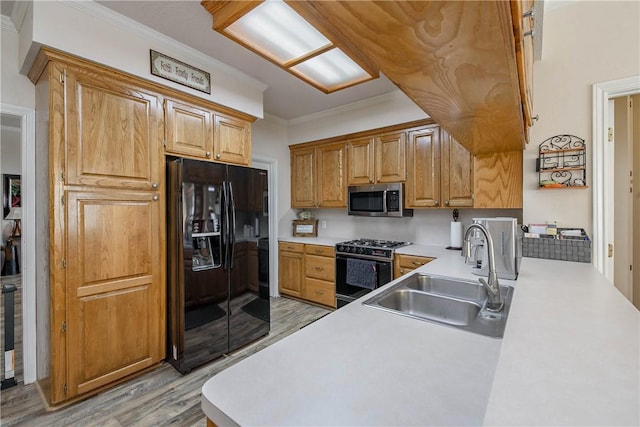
(290, 268)
(307, 272)
(403, 264)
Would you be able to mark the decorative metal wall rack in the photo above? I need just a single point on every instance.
(561, 162)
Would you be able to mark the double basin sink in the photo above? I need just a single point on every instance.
(447, 301)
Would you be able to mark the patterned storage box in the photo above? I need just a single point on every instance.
(576, 248)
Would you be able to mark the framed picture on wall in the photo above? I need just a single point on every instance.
(11, 193)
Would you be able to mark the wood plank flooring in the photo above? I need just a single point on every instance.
(157, 398)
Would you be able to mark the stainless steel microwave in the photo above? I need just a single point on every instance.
(377, 200)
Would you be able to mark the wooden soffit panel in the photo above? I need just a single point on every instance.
(454, 59)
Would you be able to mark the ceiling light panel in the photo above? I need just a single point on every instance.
(331, 69)
(276, 30)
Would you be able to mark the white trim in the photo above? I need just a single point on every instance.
(602, 220)
(6, 24)
(28, 245)
(271, 165)
(114, 18)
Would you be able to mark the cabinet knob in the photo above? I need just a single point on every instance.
(218, 156)
(529, 33)
(446, 202)
(417, 263)
(319, 292)
(155, 198)
(436, 202)
(319, 268)
(208, 153)
(528, 13)
(154, 185)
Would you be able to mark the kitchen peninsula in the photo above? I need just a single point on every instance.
(570, 356)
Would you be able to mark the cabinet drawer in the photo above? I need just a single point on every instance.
(291, 247)
(320, 292)
(411, 261)
(320, 267)
(319, 250)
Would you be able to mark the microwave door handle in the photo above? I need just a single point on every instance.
(384, 201)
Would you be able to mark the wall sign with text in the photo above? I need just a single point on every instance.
(179, 72)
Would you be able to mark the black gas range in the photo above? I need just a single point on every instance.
(363, 265)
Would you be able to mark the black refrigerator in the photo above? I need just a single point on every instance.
(217, 297)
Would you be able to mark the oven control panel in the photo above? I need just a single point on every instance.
(360, 250)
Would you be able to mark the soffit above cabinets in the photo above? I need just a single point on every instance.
(455, 60)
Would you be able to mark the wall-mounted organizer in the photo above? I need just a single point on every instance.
(562, 162)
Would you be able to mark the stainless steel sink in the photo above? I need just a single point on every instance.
(444, 300)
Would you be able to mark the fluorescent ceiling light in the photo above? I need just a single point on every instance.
(331, 69)
(275, 31)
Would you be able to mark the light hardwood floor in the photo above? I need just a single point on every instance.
(157, 398)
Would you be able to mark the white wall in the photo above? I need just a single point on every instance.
(384, 110)
(94, 32)
(15, 89)
(584, 42)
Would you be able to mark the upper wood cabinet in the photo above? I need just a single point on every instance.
(456, 174)
(112, 131)
(440, 170)
(380, 158)
(189, 129)
(317, 176)
(232, 140)
(523, 25)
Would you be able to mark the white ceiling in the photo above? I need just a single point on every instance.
(286, 96)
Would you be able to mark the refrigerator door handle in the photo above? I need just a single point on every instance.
(225, 230)
(232, 234)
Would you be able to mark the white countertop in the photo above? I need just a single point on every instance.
(570, 356)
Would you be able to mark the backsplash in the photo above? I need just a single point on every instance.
(428, 226)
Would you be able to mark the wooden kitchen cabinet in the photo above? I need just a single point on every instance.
(440, 170)
(106, 230)
(232, 140)
(189, 129)
(291, 268)
(317, 176)
(377, 159)
(523, 24)
(320, 273)
(403, 264)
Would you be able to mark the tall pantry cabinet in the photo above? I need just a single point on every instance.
(106, 225)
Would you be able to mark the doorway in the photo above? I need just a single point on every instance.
(603, 182)
(23, 120)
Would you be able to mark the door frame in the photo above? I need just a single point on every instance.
(28, 243)
(271, 166)
(603, 169)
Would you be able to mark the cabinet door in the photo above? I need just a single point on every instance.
(291, 270)
(423, 185)
(232, 140)
(113, 137)
(391, 157)
(115, 289)
(524, 54)
(457, 173)
(360, 161)
(189, 130)
(332, 189)
(498, 180)
(303, 183)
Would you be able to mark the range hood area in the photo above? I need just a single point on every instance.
(460, 61)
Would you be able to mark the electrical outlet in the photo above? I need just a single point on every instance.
(323, 224)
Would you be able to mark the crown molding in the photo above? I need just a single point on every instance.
(109, 16)
(6, 24)
(380, 99)
(276, 119)
(19, 12)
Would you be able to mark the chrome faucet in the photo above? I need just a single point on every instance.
(494, 298)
